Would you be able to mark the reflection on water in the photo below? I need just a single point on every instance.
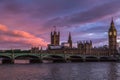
(61, 71)
(21, 61)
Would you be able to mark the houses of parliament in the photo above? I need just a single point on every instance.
(83, 47)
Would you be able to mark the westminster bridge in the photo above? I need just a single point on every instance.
(55, 57)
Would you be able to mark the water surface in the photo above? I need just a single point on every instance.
(61, 71)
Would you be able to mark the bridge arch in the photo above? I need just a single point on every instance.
(31, 58)
(52, 55)
(54, 58)
(26, 57)
(91, 58)
(104, 58)
(5, 57)
(75, 58)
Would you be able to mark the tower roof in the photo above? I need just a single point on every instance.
(69, 37)
(112, 26)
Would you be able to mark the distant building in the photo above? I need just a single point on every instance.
(65, 45)
(34, 49)
(54, 47)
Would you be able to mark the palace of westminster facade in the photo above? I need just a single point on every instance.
(83, 47)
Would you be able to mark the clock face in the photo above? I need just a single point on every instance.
(114, 33)
(110, 33)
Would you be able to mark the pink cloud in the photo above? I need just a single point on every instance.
(3, 28)
(23, 34)
(21, 37)
(100, 12)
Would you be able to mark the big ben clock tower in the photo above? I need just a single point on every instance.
(112, 35)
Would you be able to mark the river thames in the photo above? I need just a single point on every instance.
(61, 71)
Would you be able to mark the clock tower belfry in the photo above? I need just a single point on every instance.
(112, 36)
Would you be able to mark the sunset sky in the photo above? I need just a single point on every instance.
(27, 23)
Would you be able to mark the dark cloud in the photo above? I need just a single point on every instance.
(44, 9)
(11, 7)
(94, 14)
(97, 29)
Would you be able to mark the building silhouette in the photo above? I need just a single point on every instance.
(84, 47)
